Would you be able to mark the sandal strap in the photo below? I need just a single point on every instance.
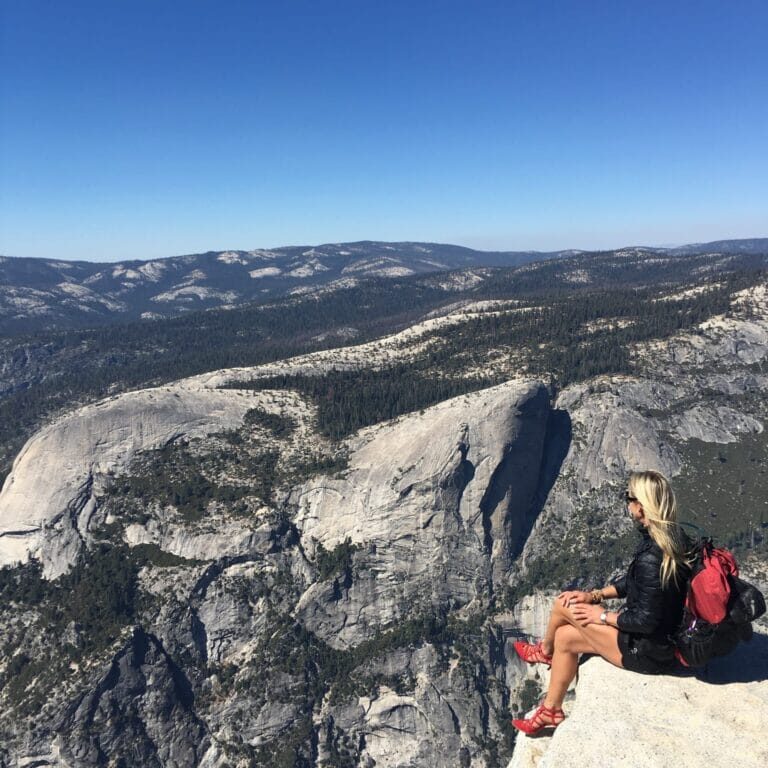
(533, 653)
(553, 712)
(540, 650)
(543, 717)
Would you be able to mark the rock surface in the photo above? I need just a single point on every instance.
(48, 501)
(436, 503)
(697, 388)
(627, 720)
(432, 506)
(142, 706)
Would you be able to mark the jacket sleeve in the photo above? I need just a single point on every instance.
(647, 611)
(621, 586)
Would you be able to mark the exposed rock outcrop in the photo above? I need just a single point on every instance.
(49, 500)
(435, 503)
(627, 720)
(701, 387)
(443, 717)
(142, 707)
(429, 511)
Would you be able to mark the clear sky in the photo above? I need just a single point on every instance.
(146, 128)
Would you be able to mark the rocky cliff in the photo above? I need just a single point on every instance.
(49, 501)
(197, 576)
(356, 612)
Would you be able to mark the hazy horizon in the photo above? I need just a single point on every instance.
(347, 242)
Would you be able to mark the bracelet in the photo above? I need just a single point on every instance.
(596, 595)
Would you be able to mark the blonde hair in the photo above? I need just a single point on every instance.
(655, 494)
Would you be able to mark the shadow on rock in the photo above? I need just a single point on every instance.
(747, 663)
(557, 442)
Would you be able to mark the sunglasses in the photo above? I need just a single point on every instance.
(629, 497)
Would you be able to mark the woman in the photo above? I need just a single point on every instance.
(637, 636)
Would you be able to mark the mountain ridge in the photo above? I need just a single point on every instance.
(40, 294)
(54, 293)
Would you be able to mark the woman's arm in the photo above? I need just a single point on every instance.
(594, 614)
(574, 596)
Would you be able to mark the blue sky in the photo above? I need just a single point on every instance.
(143, 128)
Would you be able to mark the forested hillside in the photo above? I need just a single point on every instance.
(45, 372)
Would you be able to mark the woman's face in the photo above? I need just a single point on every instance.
(635, 509)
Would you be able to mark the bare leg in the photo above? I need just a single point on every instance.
(565, 662)
(570, 642)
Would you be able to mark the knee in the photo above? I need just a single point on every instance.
(562, 612)
(567, 638)
(557, 607)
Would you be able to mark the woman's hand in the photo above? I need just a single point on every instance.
(586, 614)
(573, 597)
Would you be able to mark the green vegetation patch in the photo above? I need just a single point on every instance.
(275, 423)
(723, 489)
(337, 561)
(318, 463)
(349, 400)
(174, 476)
(80, 614)
(586, 334)
(152, 554)
(99, 594)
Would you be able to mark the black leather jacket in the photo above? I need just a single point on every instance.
(650, 611)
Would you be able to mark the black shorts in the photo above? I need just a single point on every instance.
(635, 657)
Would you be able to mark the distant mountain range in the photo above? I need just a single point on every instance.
(37, 294)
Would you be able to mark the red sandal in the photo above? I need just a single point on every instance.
(543, 717)
(532, 654)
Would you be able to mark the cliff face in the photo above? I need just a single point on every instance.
(695, 411)
(222, 586)
(434, 505)
(49, 501)
(353, 622)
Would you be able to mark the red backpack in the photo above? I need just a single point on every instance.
(709, 588)
(719, 607)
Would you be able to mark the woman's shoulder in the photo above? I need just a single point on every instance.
(647, 548)
(649, 555)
